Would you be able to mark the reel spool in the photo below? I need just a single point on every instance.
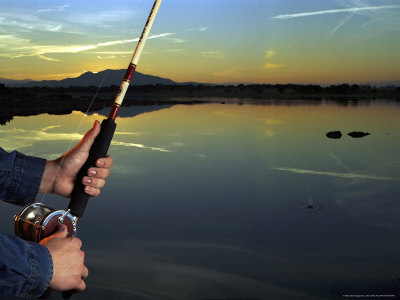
(38, 221)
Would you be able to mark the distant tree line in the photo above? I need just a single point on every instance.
(159, 91)
(25, 101)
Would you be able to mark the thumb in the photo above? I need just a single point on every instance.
(88, 139)
(62, 231)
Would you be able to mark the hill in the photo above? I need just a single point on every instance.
(110, 77)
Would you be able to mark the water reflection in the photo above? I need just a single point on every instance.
(207, 201)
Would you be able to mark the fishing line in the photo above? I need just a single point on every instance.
(76, 132)
(85, 114)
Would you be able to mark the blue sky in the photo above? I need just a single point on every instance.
(208, 41)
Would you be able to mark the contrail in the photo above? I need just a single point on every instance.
(42, 50)
(342, 23)
(332, 11)
(336, 174)
(339, 161)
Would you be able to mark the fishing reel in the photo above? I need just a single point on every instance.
(38, 221)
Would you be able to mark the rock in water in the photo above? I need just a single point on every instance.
(334, 134)
(358, 134)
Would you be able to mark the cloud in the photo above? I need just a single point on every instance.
(106, 57)
(226, 73)
(338, 161)
(269, 132)
(333, 11)
(117, 143)
(112, 52)
(269, 53)
(212, 54)
(50, 127)
(20, 23)
(273, 66)
(48, 58)
(336, 174)
(211, 131)
(197, 29)
(12, 39)
(42, 50)
(25, 138)
(130, 133)
(54, 28)
(176, 40)
(54, 8)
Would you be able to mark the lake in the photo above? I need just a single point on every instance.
(229, 201)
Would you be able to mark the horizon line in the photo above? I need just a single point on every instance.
(395, 82)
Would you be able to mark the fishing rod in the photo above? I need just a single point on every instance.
(38, 221)
(100, 146)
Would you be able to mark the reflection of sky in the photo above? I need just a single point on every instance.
(205, 201)
(26, 138)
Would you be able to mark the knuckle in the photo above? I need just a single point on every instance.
(101, 183)
(85, 180)
(76, 242)
(76, 280)
(98, 183)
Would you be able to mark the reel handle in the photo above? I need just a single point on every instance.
(99, 149)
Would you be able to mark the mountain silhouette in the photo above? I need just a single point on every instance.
(110, 77)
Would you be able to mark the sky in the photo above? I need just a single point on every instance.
(210, 41)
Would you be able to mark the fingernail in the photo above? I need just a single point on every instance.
(92, 172)
(88, 189)
(87, 180)
(100, 163)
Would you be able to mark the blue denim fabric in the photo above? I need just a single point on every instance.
(20, 177)
(26, 268)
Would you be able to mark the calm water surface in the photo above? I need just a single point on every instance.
(206, 201)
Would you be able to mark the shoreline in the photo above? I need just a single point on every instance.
(59, 101)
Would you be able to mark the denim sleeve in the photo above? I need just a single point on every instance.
(20, 177)
(26, 268)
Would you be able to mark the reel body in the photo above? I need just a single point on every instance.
(38, 221)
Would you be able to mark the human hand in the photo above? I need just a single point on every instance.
(68, 261)
(60, 174)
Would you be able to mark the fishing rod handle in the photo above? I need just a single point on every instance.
(99, 149)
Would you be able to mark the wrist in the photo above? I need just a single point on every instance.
(49, 177)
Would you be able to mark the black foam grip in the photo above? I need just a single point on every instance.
(99, 149)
